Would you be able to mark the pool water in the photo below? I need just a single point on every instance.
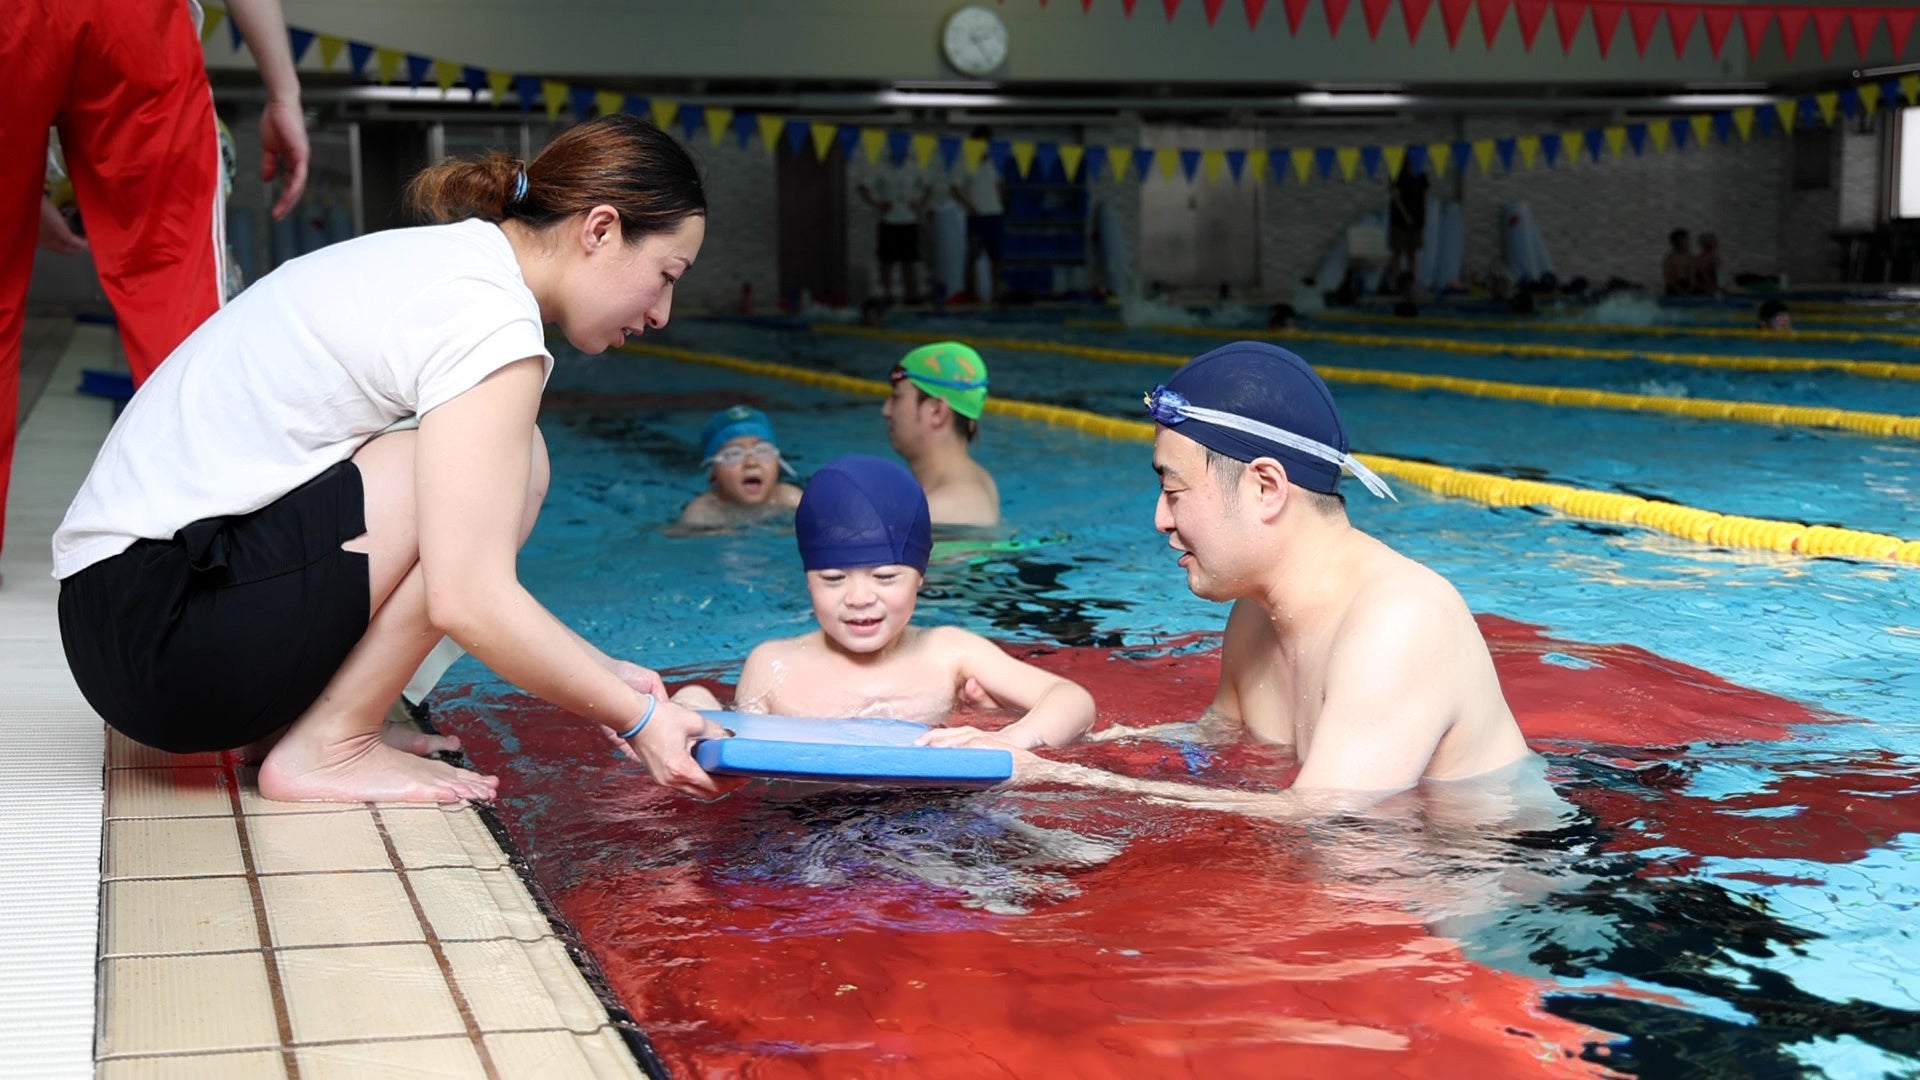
(1730, 886)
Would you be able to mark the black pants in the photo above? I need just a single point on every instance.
(229, 631)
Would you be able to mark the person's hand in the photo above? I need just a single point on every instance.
(284, 153)
(665, 747)
(1032, 770)
(645, 680)
(972, 737)
(55, 235)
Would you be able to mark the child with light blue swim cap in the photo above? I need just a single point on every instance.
(865, 535)
(743, 472)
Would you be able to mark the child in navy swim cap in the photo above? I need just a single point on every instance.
(865, 537)
(743, 472)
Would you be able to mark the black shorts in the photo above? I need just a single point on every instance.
(229, 631)
(989, 234)
(899, 243)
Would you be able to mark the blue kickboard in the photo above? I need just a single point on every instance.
(868, 751)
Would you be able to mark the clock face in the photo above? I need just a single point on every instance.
(975, 41)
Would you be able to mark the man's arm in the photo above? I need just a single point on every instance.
(1390, 698)
(283, 127)
(1248, 637)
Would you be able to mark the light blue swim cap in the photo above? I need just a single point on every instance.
(729, 424)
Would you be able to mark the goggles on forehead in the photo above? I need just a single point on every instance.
(1170, 407)
(901, 374)
(738, 455)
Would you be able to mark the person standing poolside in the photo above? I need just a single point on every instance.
(984, 199)
(251, 557)
(1364, 661)
(900, 196)
(933, 416)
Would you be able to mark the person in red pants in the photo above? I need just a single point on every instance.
(125, 84)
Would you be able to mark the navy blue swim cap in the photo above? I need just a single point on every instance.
(861, 511)
(1267, 384)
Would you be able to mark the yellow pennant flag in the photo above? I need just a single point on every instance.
(1483, 155)
(718, 120)
(553, 94)
(1438, 155)
(1211, 162)
(609, 102)
(1828, 102)
(1869, 96)
(1743, 123)
(330, 47)
(1529, 149)
(1658, 133)
(1349, 159)
(1168, 159)
(1788, 110)
(214, 15)
(1910, 88)
(1616, 140)
(1070, 155)
(770, 129)
(1302, 164)
(497, 84)
(1393, 155)
(1120, 161)
(445, 74)
(1702, 125)
(1022, 155)
(1257, 165)
(873, 140)
(388, 61)
(664, 110)
(1572, 145)
(924, 145)
(971, 151)
(823, 135)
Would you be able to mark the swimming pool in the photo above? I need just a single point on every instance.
(1736, 893)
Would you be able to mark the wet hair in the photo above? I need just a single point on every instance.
(1771, 309)
(619, 161)
(1227, 471)
(965, 425)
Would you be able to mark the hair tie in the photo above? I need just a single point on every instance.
(519, 187)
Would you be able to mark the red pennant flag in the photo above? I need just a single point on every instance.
(1606, 20)
(1453, 16)
(1127, 5)
(1086, 6)
(1899, 25)
(1753, 23)
(1792, 21)
(1171, 6)
(1336, 14)
(1212, 8)
(1826, 27)
(1254, 8)
(1415, 12)
(1296, 10)
(1642, 18)
(1680, 20)
(1529, 13)
(1492, 14)
(1376, 13)
(1566, 17)
(1719, 20)
(1865, 21)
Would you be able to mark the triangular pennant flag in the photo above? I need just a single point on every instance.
(899, 144)
(1899, 25)
(214, 15)
(1492, 14)
(1236, 163)
(609, 102)
(497, 84)
(1453, 16)
(1828, 101)
(1743, 123)
(1637, 138)
(1349, 159)
(823, 136)
(581, 100)
(1864, 22)
(1869, 97)
(1570, 145)
(1370, 160)
(1910, 88)
(949, 151)
(1126, 6)
(1753, 24)
(1336, 14)
(527, 89)
(797, 135)
(330, 47)
(445, 74)
(357, 56)
(1680, 20)
(1826, 28)
(1000, 153)
(1211, 162)
(1071, 155)
(1254, 8)
(553, 94)
(847, 137)
(1324, 161)
(1566, 19)
(1792, 22)
(233, 31)
(1723, 127)
(745, 126)
(1212, 8)
(1483, 154)
(1719, 19)
(1022, 155)
(973, 151)
(1303, 162)
(1529, 13)
(1094, 160)
(924, 144)
(1120, 161)
(299, 41)
(1766, 121)
(1046, 162)
(1415, 14)
(872, 141)
(1529, 147)
(1504, 148)
(1787, 109)
(1257, 166)
(1661, 132)
(388, 62)
(1606, 20)
(475, 80)
(719, 120)
(770, 128)
(663, 110)
(1616, 139)
(1641, 19)
(1415, 159)
(690, 121)
(1393, 156)
(1375, 12)
(1701, 124)
(1296, 10)
(1596, 140)
(1168, 159)
(1890, 92)
(1171, 6)
(1849, 102)
(417, 68)
(1438, 156)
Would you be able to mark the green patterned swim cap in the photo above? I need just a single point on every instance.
(950, 371)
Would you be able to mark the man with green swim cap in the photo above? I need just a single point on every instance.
(933, 414)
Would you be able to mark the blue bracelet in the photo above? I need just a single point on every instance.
(644, 717)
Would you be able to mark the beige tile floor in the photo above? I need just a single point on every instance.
(240, 937)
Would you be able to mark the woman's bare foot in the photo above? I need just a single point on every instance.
(418, 743)
(364, 769)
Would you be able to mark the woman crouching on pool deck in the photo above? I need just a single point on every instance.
(255, 555)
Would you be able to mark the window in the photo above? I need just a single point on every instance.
(1906, 176)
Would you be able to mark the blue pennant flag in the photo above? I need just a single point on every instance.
(358, 54)
(1236, 163)
(1142, 163)
(797, 135)
(849, 139)
(1416, 159)
(1766, 121)
(581, 98)
(300, 41)
(1279, 162)
(527, 89)
(1094, 161)
(1462, 153)
(745, 126)
(1000, 154)
(1890, 93)
(1323, 161)
(1637, 138)
(1550, 147)
(899, 144)
(1189, 163)
(417, 68)
(475, 79)
(1680, 128)
(233, 30)
(1046, 162)
(1504, 149)
(636, 105)
(949, 151)
(1849, 101)
(1595, 140)
(692, 121)
(1370, 160)
(1723, 126)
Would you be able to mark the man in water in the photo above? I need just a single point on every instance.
(1365, 662)
(933, 416)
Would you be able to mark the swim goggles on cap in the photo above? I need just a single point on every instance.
(901, 374)
(1169, 407)
(737, 455)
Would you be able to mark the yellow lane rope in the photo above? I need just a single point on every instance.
(1694, 330)
(1746, 412)
(1701, 526)
(1871, 369)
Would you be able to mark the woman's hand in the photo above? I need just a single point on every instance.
(665, 747)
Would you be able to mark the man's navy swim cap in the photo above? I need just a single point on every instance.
(1268, 384)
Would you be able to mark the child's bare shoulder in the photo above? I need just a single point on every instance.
(788, 495)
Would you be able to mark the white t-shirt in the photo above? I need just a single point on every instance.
(983, 189)
(297, 373)
(902, 191)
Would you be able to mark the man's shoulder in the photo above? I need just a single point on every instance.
(1399, 591)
